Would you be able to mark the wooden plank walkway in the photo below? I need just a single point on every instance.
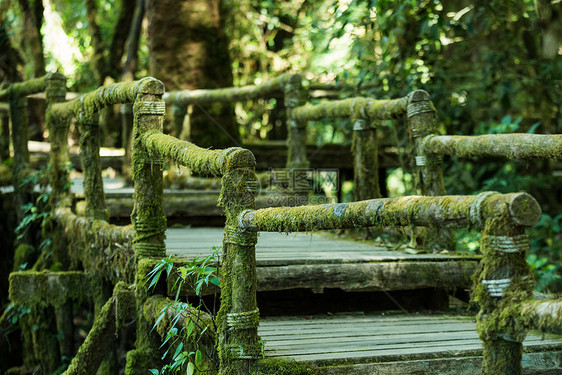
(300, 260)
(373, 342)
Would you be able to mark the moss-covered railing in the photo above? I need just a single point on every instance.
(16, 95)
(115, 259)
(504, 281)
(238, 317)
(108, 254)
(288, 86)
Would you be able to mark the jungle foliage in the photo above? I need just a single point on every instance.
(490, 66)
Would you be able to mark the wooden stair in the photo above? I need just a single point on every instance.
(363, 342)
(393, 344)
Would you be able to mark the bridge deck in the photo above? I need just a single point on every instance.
(380, 344)
(299, 260)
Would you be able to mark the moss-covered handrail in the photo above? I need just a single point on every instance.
(453, 211)
(238, 317)
(543, 315)
(359, 108)
(272, 87)
(198, 160)
(21, 89)
(88, 104)
(503, 280)
(511, 146)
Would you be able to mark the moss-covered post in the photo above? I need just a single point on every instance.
(148, 218)
(238, 318)
(91, 167)
(59, 157)
(421, 123)
(18, 114)
(4, 135)
(178, 112)
(126, 130)
(504, 281)
(365, 160)
(296, 142)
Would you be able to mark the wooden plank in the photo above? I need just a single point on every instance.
(313, 261)
(532, 363)
(361, 338)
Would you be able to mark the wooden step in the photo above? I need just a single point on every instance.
(393, 344)
(300, 260)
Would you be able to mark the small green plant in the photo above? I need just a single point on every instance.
(195, 275)
(35, 211)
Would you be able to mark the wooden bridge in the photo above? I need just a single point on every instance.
(108, 264)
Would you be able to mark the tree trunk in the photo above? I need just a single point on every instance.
(189, 50)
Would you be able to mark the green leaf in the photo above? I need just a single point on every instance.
(153, 371)
(178, 351)
(190, 369)
(198, 357)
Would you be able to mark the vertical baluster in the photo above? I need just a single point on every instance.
(91, 166)
(238, 318)
(59, 157)
(4, 134)
(365, 160)
(504, 280)
(18, 114)
(148, 218)
(126, 130)
(421, 123)
(294, 95)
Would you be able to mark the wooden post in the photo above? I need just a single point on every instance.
(296, 142)
(91, 167)
(126, 130)
(4, 134)
(421, 114)
(59, 157)
(504, 280)
(179, 112)
(365, 160)
(238, 318)
(18, 114)
(148, 218)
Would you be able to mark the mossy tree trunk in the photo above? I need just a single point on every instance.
(189, 50)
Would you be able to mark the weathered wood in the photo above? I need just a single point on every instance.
(368, 276)
(543, 315)
(512, 146)
(316, 262)
(339, 343)
(91, 166)
(533, 364)
(429, 175)
(445, 211)
(272, 87)
(148, 218)
(22, 89)
(365, 163)
(102, 334)
(296, 129)
(55, 288)
(365, 108)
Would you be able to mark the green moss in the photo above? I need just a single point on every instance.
(24, 254)
(228, 94)
(358, 107)
(275, 366)
(55, 288)
(139, 361)
(511, 146)
(101, 335)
